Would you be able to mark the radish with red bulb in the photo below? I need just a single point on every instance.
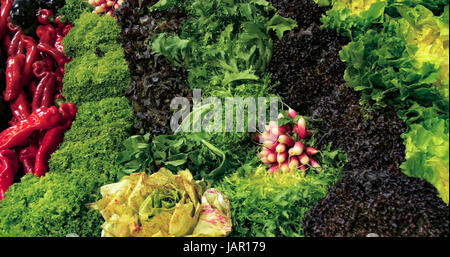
(284, 167)
(301, 127)
(280, 148)
(286, 140)
(272, 157)
(293, 163)
(282, 157)
(292, 114)
(270, 145)
(314, 163)
(304, 159)
(274, 168)
(298, 149)
(311, 151)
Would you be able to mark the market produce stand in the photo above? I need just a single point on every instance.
(360, 146)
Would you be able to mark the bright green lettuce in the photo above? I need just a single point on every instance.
(400, 64)
(273, 205)
(92, 32)
(226, 45)
(427, 148)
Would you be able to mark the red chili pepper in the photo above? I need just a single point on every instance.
(32, 55)
(47, 81)
(4, 14)
(9, 166)
(58, 43)
(13, 77)
(46, 34)
(44, 16)
(13, 28)
(28, 157)
(53, 138)
(20, 48)
(59, 22)
(12, 49)
(49, 93)
(6, 41)
(42, 118)
(68, 111)
(20, 107)
(67, 29)
(40, 68)
(50, 50)
(32, 87)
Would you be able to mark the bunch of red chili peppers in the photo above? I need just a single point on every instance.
(33, 71)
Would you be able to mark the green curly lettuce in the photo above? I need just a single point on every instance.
(92, 32)
(72, 10)
(92, 78)
(273, 205)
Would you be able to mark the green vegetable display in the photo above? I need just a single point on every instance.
(74, 8)
(399, 57)
(99, 69)
(175, 152)
(92, 32)
(54, 205)
(427, 148)
(268, 205)
(163, 204)
(225, 45)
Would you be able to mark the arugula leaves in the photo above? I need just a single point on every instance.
(175, 152)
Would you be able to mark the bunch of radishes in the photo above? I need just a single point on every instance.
(106, 6)
(284, 147)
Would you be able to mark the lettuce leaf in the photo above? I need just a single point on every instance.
(427, 149)
(161, 205)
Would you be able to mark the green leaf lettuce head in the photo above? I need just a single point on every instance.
(163, 205)
(427, 149)
(402, 62)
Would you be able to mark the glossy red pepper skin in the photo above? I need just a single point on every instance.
(12, 49)
(9, 166)
(41, 119)
(6, 42)
(47, 81)
(4, 14)
(58, 43)
(32, 88)
(50, 50)
(28, 157)
(13, 28)
(44, 16)
(46, 34)
(53, 138)
(20, 107)
(32, 55)
(66, 29)
(13, 77)
(49, 93)
(40, 68)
